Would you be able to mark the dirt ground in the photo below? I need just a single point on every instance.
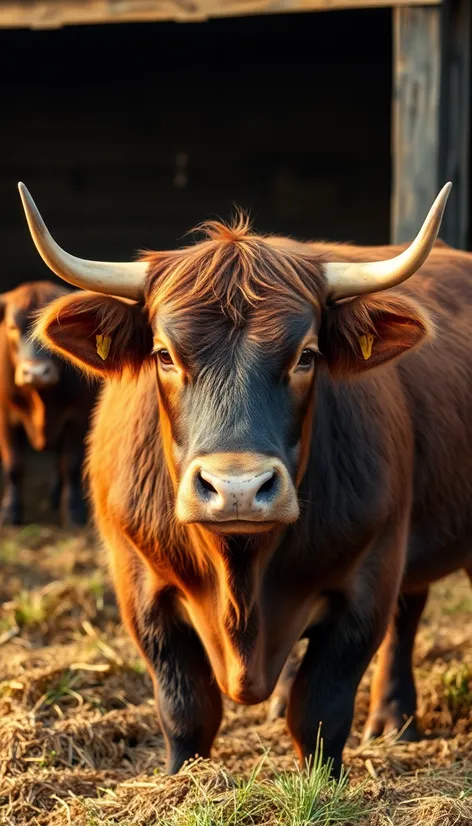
(77, 721)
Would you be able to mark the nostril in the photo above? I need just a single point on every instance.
(207, 485)
(268, 489)
(204, 487)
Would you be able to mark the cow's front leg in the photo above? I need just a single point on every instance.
(11, 508)
(339, 651)
(70, 458)
(188, 699)
(321, 703)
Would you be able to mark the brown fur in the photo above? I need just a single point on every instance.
(27, 298)
(115, 318)
(235, 273)
(54, 416)
(386, 492)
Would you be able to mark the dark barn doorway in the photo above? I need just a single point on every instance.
(128, 135)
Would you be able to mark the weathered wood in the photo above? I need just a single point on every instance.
(431, 118)
(455, 121)
(415, 117)
(39, 14)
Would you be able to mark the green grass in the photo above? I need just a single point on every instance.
(11, 545)
(295, 798)
(31, 608)
(460, 606)
(43, 607)
(64, 687)
(457, 681)
(8, 551)
(95, 585)
(204, 795)
(6, 623)
(137, 665)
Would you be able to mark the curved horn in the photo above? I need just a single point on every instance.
(121, 279)
(347, 279)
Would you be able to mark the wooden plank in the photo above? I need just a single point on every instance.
(49, 14)
(455, 121)
(415, 117)
(431, 118)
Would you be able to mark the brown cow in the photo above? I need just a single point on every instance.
(42, 397)
(257, 482)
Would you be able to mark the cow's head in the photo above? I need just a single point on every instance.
(235, 329)
(33, 367)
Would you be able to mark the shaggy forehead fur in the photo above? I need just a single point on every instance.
(252, 281)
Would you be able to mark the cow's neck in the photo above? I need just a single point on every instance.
(225, 605)
(238, 559)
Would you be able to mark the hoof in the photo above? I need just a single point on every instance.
(277, 709)
(382, 726)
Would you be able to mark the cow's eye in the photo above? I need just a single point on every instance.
(306, 359)
(164, 357)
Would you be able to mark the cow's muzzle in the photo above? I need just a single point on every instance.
(237, 493)
(36, 374)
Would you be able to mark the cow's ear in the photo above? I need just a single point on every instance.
(367, 332)
(100, 334)
(2, 307)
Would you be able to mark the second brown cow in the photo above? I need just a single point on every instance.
(42, 398)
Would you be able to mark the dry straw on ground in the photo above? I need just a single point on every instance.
(79, 742)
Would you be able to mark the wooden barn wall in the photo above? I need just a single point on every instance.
(129, 135)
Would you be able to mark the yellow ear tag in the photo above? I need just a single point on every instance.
(103, 346)
(366, 345)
